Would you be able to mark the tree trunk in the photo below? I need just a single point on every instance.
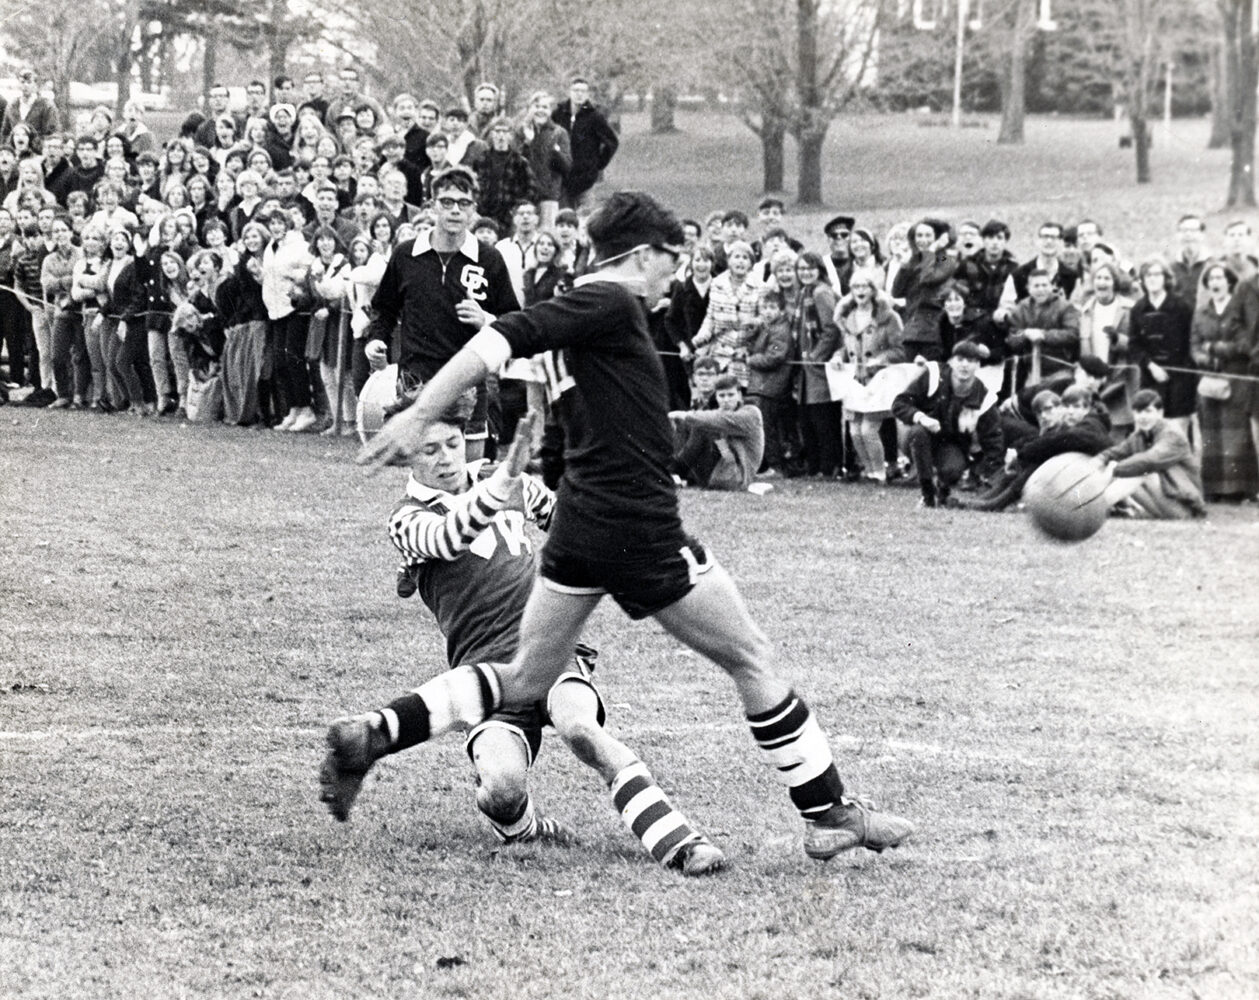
(1014, 86)
(773, 159)
(809, 161)
(810, 127)
(1141, 146)
(210, 59)
(664, 102)
(123, 59)
(1243, 79)
(1219, 99)
(61, 99)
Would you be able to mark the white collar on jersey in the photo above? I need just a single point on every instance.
(426, 494)
(470, 248)
(635, 285)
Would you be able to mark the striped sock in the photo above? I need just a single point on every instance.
(523, 827)
(649, 814)
(459, 698)
(793, 744)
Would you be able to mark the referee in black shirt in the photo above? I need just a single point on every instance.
(442, 287)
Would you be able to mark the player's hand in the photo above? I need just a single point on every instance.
(396, 443)
(377, 354)
(521, 449)
(470, 312)
(1157, 372)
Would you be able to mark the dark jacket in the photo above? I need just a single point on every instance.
(920, 283)
(506, 179)
(687, 309)
(42, 119)
(1164, 450)
(593, 143)
(1090, 436)
(1063, 279)
(972, 413)
(550, 157)
(1162, 335)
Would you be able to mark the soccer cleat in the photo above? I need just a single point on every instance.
(699, 857)
(354, 745)
(854, 823)
(552, 831)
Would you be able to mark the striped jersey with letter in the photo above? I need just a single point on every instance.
(449, 538)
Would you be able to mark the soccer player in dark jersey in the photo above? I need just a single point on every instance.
(616, 528)
(442, 287)
(471, 562)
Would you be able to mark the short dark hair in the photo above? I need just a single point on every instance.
(1038, 272)
(629, 219)
(455, 113)
(1050, 225)
(734, 215)
(459, 178)
(1077, 394)
(436, 139)
(485, 222)
(1147, 399)
(726, 381)
(707, 363)
(770, 202)
(995, 227)
(255, 85)
(280, 81)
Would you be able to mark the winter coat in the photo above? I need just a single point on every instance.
(969, 416)
(505, 179)
(920, 283)
(817, 340)
(769, 356)
(1164, 450)
(593, 143)
(877, 345)
(1223, 342)
(550, 156)
(1162, 335)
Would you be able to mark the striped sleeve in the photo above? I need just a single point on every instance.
(539, 501)
(422, 533)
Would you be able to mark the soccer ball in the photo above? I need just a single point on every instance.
(380, 391)
(1066, 497)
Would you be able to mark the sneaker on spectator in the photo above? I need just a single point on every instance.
(304, 422)
(61, 403)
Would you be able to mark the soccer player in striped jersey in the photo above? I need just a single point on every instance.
(617, 530)
(470, 560)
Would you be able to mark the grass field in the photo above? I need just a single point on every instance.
(1073, 728)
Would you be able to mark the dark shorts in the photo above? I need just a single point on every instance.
(527, 723)
(655, 579)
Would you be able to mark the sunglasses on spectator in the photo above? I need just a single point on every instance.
(449, 204)
(840, 234)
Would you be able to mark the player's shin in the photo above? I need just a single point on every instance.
(793, 744)
(457, 699)
(668, 835)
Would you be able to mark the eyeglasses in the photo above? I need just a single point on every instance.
(450, 204)
(674, 254)
(840, 234)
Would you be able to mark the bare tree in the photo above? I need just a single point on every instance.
(1242, 75)
(1020, 18)
(56, 36)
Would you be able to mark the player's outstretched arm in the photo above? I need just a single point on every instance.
(400, 437)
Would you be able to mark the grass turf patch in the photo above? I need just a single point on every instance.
(1071, 727)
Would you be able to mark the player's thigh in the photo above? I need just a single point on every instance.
(549, 630)
(713, 619)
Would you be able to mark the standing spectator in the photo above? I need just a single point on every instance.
(313, 96)
(838, 259)
(504, 175)
(464, 149)
(688, 301)
(89, 292)
(871, 332)
(71, 373)
(83, 177)
(1186, 266)
(575, 252)
(921, 282)
(14, 321)
(442, 287)
(1043, 325)
(218, 102)
(125, 357)
(546, 146)
(1223, 337)
(244, 317)
(33, 244)
(518, 248)
(985, 274)
(769, 372)
(592, 140)
(1048, 247)
(546, 278)
(732, 302)
(817, 339)
(350, 98)
(285, 262)
(137, 135)
(485, 110)
(330, 281)
(36, 112)
(406, 112)
(1160, 324)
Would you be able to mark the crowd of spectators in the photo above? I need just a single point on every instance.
(254, 269)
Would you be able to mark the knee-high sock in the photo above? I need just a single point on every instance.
(793, 744)
(457, 699)
(523, 826)
(649, 814)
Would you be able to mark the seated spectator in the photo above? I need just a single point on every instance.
(1156, 472)
(719, 449)
(1067, 425)
(1019, 420)
(950, 413)
(1042, 325)
(704, 375)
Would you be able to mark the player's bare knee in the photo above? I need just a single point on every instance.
(501, 793)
